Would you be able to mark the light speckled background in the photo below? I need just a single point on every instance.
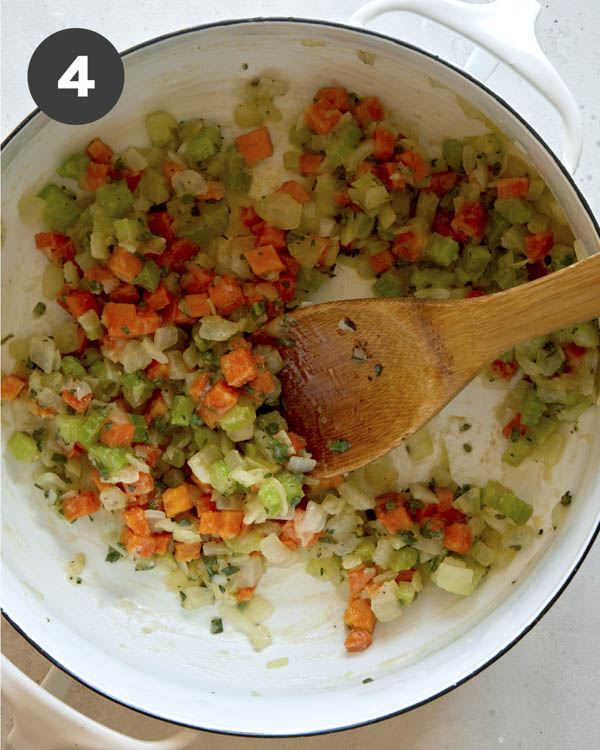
(544, 693)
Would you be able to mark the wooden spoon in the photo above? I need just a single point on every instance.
(419, 355)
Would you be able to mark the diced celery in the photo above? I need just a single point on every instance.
(23, 447)
(531, 409)
(204, 436)
(182, 410)
(174, 456)
(115, 198)
(272, 496)
(141, 431)
(517, 451)
(514, 210)
(542, 430)
(427, 204)
(451, 577)
(300, 136)
(237, 176)
(237, 418)
(386, 216)
(365, 548)
(363, 225)
(107, 460)
(304, 249)
(473, 262)
(483, 554)
(489, 145)
(149, 276)
(536, 189)
(72, 368)
(160, 126)
(204, 144)
(550, 358)
(495, 228)
(60, 209)
(427, 278)
(453, 153)
(74, 165)
(505, 502)
(69, 427)
(514, 238)
(343, 144)
(91, 427)
(586, 334)
(562, 256)
(403, 559)
(211, 223)
(220, 477)
(292, 485)
(442, 250)
(291, 160)
(106, 371)
(406, 592)
(324, 192)
(136, 388)
(127, 230)
(391, 284)
(90, 322)
(325, 569)
(154, 187)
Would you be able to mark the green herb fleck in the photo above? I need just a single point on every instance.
(367, 680)
(113, 555)
(230, 570)
(182, 596)
(566, 499)
(428, 533)
(407, 537)
(216, 625)
(339, 446)
(467, 447)
(465, 426)
(125, 330)
(39, 310)
(377, 369)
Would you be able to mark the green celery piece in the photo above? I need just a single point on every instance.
(127, 230)
(174, 456)
(391, 284)
(406, 592)
(200, 229)
(220, 477)
(514, 238)
(115, 198)
(204, 144)
(587, 334)
(514, 210)
(300, 137)
(404, 559)
(343, 144)
(476, 257)
(108, 460)
(442, 250)
(237, 418)
(74, 165)
(363, 226)
(543, 429)
(141, 431)
(427, 278)
(562, 256)
(204, 436)
(291, 160)
(91, 427)
(72, 368)
(506, 502)
(495, 228)
(365, 549)
(532, 409)
(69, 427)
(517, 451)
(453, 153)
(489, 145)
(136, 388)
(182, 410)
(292, 485)
(23, 447)
(154, 187)
(149, 276)
(324, 196)
(550, 358)
(105, 371)
(160, 126)
(61, 209)
(270, 497)
(237, 176)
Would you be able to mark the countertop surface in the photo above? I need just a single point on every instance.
(543, 694)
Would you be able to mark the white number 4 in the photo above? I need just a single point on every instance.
(79, 68)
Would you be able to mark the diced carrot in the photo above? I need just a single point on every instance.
(230, 523)
(538, 245)
(158, 370)
(117, 434)
(199, 386)
(124, 321)
(289, 536)
(187, 551)
(81, 504)
(99, 151)
(405, 575)
(213, 192)
(136, 520)
(249, 217)
(445, 498)
(125, 292)
(137, 545)
(204, 502)
(95, 477)
(415, 163)
(78, 404)
(11, 387)
(270, 235)
(196, 279)
(514, 424)
(38, 411)
(409, 246)
(95, 176)
(226, 294)
(159, 222)
(359, 577)
(255, 145)
(382, 261)
(264, 261)
(239, 367)
(177, 500)
(442, 182)
(321, 117)
(295, 189)
(157, 408)
(391, 176)
(170, 168)
(359, 615)
(310, 163)
(159, 299)
(58, 248)
(512, 187)
(392, 513)
(574, 354)
(143, 485)
(259, 388)
(469, 221)
(384, 143)
(358, 639)
(177, 254)
(367, 111)
(457, 538)
(196, 305)
(217, 401)
(336, 96)
(245, 594)
(298, 443)
(104, 276)
(341, 199)
(125, 265)
(209, 522)
(161, 542)
(80, 302)
(476, 293)
(147, 453)
(505, 370)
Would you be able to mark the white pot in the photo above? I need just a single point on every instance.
(120, 632)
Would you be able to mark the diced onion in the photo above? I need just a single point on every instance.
(189, 182)
(113, 498)
(185, 534)
(301, 465)
(215, 328)
(354, 497)
(420, 492)
(196, 597)
(134, 160)
(30, 209)
(90, 322)
(135, 356)
(165, 337)
(43, 353)
(310, 523)
(274, 550)
(177, 367)
(384, 602)
(259, 635)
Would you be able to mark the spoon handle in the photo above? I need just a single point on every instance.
(507, 318)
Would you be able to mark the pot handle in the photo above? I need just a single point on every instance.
(43, 722)
(504, 29)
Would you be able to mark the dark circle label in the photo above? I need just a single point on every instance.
(75, 76)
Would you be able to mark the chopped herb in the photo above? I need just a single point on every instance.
(39, 310)
(286, 341)
(516, 547)
(515, 434)
(339, 446)
(183, 596)
(113, 555)
(377, 369)
(216, 625)
(244, 66)
(279, 450)
(125, 330)
(414, 504)
(566, 499)
(465, 426)
(7, 338)
(58, 458)
(95, 286)
(434, 563)
(230, 570)
(210, 563)
(37, 436)
(467, 447)
(294, 501)
(367, 680)
(221, 589)
(271, 428)
(108, 425)
(500, 517)
(389, 505)
(350, 323)
(428, 533)
(120, 165)
(407, 537)
(188, 198)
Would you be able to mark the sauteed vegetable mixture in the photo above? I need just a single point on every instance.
(153, 407)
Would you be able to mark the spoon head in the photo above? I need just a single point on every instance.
(360, 376)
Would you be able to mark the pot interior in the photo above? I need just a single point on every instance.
(120, 631)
